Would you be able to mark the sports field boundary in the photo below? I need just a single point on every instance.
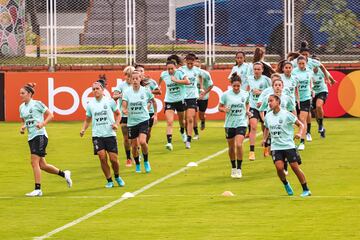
(137, 192)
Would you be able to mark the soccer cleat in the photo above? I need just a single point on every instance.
(109, 185)
(196, 137)
(301, 147)
(184, 137)
(67, 174)
(187, 145)
(288, 189)
(128, 163)
(233, 173)
(35, 193)
(138, 168)
(322, 133)
(169, 146)
(308, 137)
(251, 156)
(305, 193)
(120, 181)
(266, 151)
(238, 173)
(147, 167)
(202, 126)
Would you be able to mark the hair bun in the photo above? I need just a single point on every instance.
(234, 74)
(32, 85)
(304, 44)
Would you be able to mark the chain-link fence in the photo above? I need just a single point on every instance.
(147, 31)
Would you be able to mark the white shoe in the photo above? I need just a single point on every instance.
(286, 172)
(169, 146)
(301, 147)
(233, 173)
(68, 178)
(196, 137)
(35, 193)
(238, 173)
(187, 145)
(308, 137)
(184, 137)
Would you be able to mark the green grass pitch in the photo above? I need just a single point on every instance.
(188, 205)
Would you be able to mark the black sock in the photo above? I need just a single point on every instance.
(182, 130)
(320, 121)
(286, 166)
(169, 138)
(189, 138)
(128, 155)
(203, 122)
(285, 182)
(302, 141)
(196, 131)
(239, 162)
(146, 157)
(61, 173)
(233, 163)
(137, 160)
(308, 128)
(252, 148)
(116, 175)
(109, 179)
(37, 186)
(305, 187)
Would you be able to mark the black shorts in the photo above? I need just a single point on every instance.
(322, 95)
(255, 114)
(178, 106)
(108, 144)
(232, 132)
(202, 105)
(134, 131)
(190, 103)
(123, 120)
(289, 155)
(305, 106)
(38, 145)
(151, 120)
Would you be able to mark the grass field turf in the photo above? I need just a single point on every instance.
(189, 205)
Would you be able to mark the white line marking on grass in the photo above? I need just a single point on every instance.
(119, 200)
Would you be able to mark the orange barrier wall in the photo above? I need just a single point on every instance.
(66, 93)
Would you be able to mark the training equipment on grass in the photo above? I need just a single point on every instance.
(227, 194)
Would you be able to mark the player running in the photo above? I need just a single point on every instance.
(257, 83)
(279, 124)
(304, 79)
(193, 73)
(117, 96)
(235, 103)
(153, 87)
(135, 105)
(100, 113)
(202, 101)
(32, 113)
(174, 100)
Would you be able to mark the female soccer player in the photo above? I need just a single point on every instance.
(100, 113)
(174, 100)
(279, 124)
(193, 73)
(151, 85)
(235, 103)
(32, 113)
(117, 96)
(288, 79)
(242, 69)
(135, 105)
(257, 83)
(202, 101)
(304, 79)
(259, 56)
(321, 92)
